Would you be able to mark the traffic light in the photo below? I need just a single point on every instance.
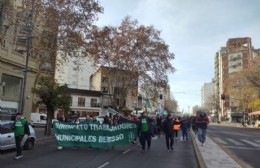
(222, 96)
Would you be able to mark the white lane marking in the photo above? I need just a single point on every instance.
(258, 141)
(244, 148)
(103, 165)
(251, 143)
(126, 151)
(219, 140)
(235, 142)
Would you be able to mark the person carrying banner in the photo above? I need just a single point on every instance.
(144, 131)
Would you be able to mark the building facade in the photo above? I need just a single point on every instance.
(12, 63)
(207, 94)
(234, 57)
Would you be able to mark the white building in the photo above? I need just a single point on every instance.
(207, 94)
(75, 71)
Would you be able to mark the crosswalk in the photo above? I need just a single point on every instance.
(255, 144)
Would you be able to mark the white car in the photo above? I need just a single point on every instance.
(7, 139)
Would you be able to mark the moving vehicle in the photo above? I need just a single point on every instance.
(38, 119)
(7, 139)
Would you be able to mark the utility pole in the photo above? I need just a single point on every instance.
(29, 26)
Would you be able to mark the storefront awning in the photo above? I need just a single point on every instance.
(254, 113)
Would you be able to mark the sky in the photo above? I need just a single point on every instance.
(194, 30)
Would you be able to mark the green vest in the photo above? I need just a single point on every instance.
(144, 125)
(19, 127)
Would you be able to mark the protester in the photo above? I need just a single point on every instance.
(20, 129)
(159, 124)
(144, 131)
(194, 125)
(94, 120)
(184, 129)
(176, 127)
(169, 134)
(202, 121)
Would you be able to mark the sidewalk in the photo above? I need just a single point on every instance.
(210, 155)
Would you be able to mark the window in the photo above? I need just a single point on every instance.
(43, 118)
(104, 89)
(11, 86)
(81, 102)
(116, 91)
(93, 103)
(6, 128)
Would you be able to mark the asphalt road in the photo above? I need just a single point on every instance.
(244, 143)
(45, 154)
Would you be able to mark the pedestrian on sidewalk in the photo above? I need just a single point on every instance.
(20, 129)
(202, 122)
(144, 131)
(176, 127)
(184, 129)
(168, 131)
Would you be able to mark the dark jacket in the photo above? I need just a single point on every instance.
(168, 127)
(149, 124)
(184, 124)
(202, 122)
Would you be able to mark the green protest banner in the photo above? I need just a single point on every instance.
(94, 134)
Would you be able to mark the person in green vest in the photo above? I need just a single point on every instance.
(20, 128)
(144, 131)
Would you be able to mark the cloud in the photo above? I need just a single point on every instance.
(194, 30)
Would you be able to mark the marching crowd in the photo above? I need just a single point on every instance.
(150, 126)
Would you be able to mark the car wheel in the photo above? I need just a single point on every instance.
(29, 144)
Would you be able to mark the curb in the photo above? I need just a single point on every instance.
(199, 157)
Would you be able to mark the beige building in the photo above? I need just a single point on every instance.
(119, 88)
(234, 57)
(12, 64)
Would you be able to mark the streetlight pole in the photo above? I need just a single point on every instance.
(29, 26)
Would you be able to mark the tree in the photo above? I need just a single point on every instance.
(53, 96)
(133, 48)
(171, 105)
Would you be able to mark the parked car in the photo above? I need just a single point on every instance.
(7, 139)
(38, 119)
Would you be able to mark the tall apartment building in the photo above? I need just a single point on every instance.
(207, 93)
(234, 57)
(13, 60)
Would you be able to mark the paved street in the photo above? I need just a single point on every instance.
(45, 154)
(244, 143)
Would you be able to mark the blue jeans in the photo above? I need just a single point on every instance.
(201, 135)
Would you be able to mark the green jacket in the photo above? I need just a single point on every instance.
(19, 127)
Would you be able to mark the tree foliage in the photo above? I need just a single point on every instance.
(171, 105)
(133, 48)
(244, 87)
(53, 96)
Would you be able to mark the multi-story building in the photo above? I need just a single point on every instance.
(207, 94)
(233, 58)
(76, 72)
(13, 61)
(119, 88)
